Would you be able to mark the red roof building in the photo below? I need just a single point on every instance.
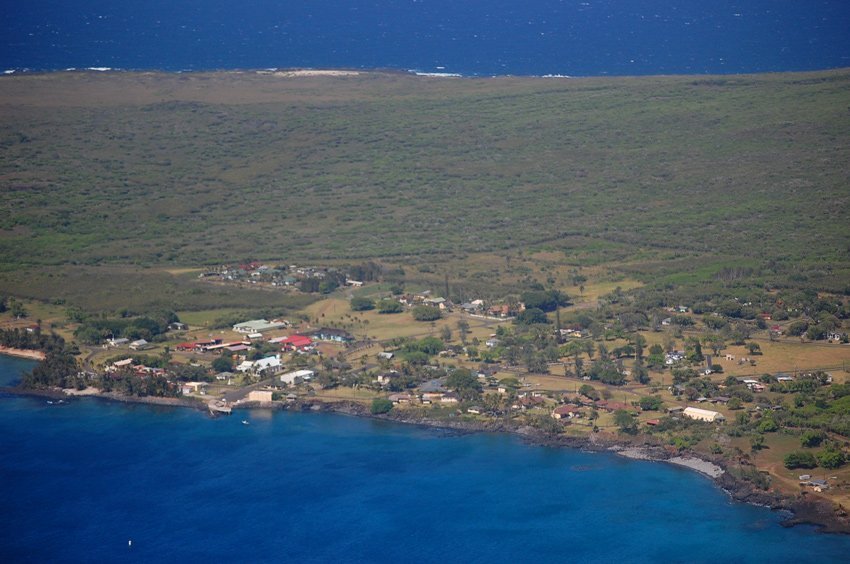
(296, 342)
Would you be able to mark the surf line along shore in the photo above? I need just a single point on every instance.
(802, 509)
(22, 353)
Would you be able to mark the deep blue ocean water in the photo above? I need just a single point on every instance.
(470, 37)
(78, 481)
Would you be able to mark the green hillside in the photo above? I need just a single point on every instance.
(166, 170)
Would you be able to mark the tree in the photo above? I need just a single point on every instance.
(446, 333)
(715, 342)
(531, 316)
(754, 348)
(463, 330)
(390, 306)
(381, 405)
(362, 304)
(800, 460)
(548, 300)
(640, 374)
(426, 313)
(812, 438)
(656, 359)
(464, 383)
(309, 285)
(639, 343)
(650, 403)
(693, 351)
(588, 391)
(16, 308)
(222, 364)
(768, 425)
(830, 458)
(625, 422)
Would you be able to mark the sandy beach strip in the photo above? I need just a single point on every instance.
(701, 466)
(22, 353)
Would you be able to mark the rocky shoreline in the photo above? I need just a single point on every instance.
(801, 509)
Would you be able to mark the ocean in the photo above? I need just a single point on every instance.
(98, 481)
(469, 37)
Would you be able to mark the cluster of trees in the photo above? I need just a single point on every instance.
(389, 306)
(419, 352)
(830, 458)
(426, 313)
(544, 300)
(330, 282)
(129, 383)
(13, 306)
(94, 330)
(366, 272)
(35, 340)
(58, 369)
(362, 304)
(465, 384)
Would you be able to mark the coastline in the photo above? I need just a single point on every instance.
(22, 353)
(804, 509)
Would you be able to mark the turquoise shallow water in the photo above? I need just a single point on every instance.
(80, 480)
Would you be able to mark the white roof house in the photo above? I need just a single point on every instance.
(270, 364)
(703, 414)
(290, 377)
(257, 326)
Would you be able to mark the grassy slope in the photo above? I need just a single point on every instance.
(189, 169)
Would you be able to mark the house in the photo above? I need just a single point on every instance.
(450, 397)
(268, 365)
(264, 396)
(385, 355)
(430, 397)
(566, 412)
(118, 364)
(258, 326)
(193, 388)
(675, 410)
(474, 410)
(331, 334)
(492, 342)
(297, 376)
(612, 406)
(117, 342)
(224, 376)
(140, 345)
(437, 302)
(703, 414)
(433, 386)
(293, 342)
(400, 398)
(386, 377)
(177, 326)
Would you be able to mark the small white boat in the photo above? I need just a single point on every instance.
(245, 422)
